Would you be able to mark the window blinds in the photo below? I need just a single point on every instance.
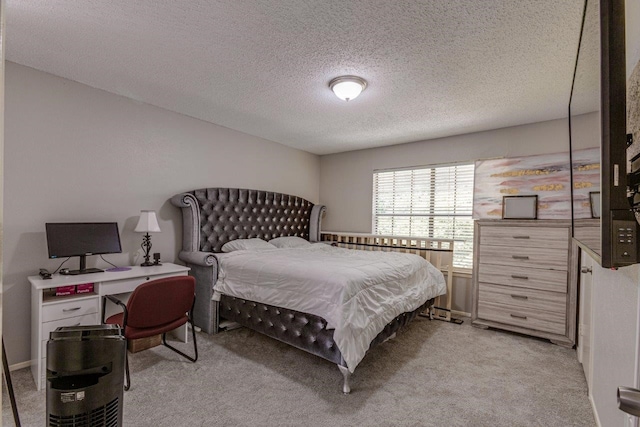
(434, 202)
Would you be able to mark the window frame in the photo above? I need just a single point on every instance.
(432, 214)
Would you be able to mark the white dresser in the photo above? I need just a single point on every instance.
(49, 311)
(523, 280)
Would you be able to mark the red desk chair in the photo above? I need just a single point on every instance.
(156, 307)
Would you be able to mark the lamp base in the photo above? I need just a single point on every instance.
(146, 247)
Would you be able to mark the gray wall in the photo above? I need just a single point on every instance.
(75, 153)
(2, 62)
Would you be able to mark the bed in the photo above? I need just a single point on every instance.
(213, 217)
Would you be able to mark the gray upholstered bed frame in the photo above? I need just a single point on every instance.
(213, 216)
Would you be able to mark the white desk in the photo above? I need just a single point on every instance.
(49, 312)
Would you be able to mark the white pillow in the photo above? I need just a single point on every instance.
(289, 242)
(254, 244)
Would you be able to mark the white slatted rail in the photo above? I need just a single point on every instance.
(438, 252)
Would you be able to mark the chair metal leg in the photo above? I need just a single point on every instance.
(127, 378)
(195, 344)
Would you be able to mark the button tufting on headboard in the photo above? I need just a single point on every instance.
(229, 213)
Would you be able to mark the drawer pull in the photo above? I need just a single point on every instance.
(515, 276)
(518, 316)
(520, 257)
(519, 296)
(521, 237)
(66, 310)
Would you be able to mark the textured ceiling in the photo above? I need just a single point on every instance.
(434, 67)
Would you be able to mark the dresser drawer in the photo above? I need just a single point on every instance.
(523, 277)
(69, 308)
(532, 237)
(521, 297)
(524, 256)
(524, 317)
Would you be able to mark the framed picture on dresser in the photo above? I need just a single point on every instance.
(520, 207)
(594, 202)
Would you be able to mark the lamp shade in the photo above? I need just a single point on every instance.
(148, 223)
(347, 87)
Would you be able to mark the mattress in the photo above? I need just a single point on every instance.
(356, 292)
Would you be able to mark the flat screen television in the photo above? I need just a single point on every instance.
(81, 239)
(603, 222)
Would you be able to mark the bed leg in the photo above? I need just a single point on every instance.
(346, 387)
(390, 337)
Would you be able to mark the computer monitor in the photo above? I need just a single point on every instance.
(67, 239)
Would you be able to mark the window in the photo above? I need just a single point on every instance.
(434, 202)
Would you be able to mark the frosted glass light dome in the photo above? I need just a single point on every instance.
(347, 87)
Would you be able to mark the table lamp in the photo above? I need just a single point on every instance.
(148, 223)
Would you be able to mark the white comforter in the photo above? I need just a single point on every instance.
(356, 292)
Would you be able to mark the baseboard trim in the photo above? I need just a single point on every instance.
(461, 313)
(595, 411)
(20, 365)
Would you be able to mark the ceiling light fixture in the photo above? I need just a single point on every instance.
(347, 87)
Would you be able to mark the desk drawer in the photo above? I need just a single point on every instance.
(544, 258)
(524, 277)
(69, 308)
(526, 298)
(523, 317)
(87, 319)
(128, 285)
(533, 237)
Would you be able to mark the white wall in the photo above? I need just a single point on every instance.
(74, 153)
(614, 323)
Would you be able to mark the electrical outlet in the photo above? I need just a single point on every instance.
(138, 256)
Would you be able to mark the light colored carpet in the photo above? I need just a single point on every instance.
(432, 374)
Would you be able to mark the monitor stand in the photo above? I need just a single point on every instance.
(85, 271)
(83, 268)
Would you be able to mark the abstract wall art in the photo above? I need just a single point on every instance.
(546, 176)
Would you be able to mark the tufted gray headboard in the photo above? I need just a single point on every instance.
(212, 217)
(215, 216)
